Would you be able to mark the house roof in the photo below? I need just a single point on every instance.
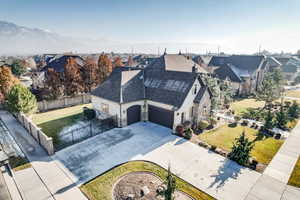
(273, 61)
(175, 62)
(121, 86)
(200, 94)
(242, 62)
(290, 68)
(58, 64)
(226, 72)
(168, 87)
(283, 60)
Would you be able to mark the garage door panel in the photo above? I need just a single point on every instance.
(133, 114)
(161, 116)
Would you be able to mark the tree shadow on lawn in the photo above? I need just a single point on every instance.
(229, 170)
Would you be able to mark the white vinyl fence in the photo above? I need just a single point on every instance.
(45, 141)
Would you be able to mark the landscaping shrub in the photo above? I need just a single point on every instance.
(203, 144)
(203, 124)
(188, 133)
(245, 123)
(232, 125)
(213, 148)
(237, 118)
(89, 113)
(179, 130)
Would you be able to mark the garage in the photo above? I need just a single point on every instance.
(133, 114)
(161, 116)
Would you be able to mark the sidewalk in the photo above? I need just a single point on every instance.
(51, 177)
(272, 184)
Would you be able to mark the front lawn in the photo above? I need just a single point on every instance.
(295, 176)
(241, 106)
(52, 122)
(100, 188)
(292, 93)
(223, 137)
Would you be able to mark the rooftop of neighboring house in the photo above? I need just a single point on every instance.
(175, 62)
(58, 62)
(236, 67)
(289, 68)
(205, 59)
(165, 86)
(273, 61)
(243, 62)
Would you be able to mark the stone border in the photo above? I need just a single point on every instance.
(145, 172)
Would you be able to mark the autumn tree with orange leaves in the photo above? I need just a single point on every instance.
(117, 62)
(89, 74)
(73, 81)
(54, 84)
(104, 67)
(7, 81)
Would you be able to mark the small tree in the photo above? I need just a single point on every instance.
(294, 111)
(168, 192)
(20, 99)
(18, 68)
(281, 118)
(269, 121)
(241, 150)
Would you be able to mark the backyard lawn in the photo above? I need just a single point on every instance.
(100, 188)
(293, 93)
(241, 106)
(295, 176)
(52, 122)
(224, 136)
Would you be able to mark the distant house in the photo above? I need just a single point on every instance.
(244, 71)
(289, 67)
(168, 92)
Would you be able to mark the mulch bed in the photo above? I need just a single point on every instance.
(136, 183)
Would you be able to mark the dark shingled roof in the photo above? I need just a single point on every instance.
(121, 86)
(225, 71)
(200, 94)
(168, 87)
(58, 64)
(289, 68)
(283, 60)
(243, 62)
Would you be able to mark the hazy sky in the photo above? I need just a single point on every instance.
(238, 26)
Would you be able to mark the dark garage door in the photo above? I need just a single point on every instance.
(133, 114)
(161, 116)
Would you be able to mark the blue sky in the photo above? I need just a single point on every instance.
(235, 25)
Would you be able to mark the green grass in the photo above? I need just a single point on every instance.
(100, 188)
(223, 137)
(19, 163)
(52, 122)
(241, 106)
(295, 176)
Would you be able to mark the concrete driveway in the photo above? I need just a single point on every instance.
(208, 171)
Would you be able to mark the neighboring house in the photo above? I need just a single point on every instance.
(244, 71)
(58, 62)
(160, 93)
(141, 61)
(289, 67)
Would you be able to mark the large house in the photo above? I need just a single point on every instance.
(168, 92)
(245, 72)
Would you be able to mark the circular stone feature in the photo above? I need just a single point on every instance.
(141, 186)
